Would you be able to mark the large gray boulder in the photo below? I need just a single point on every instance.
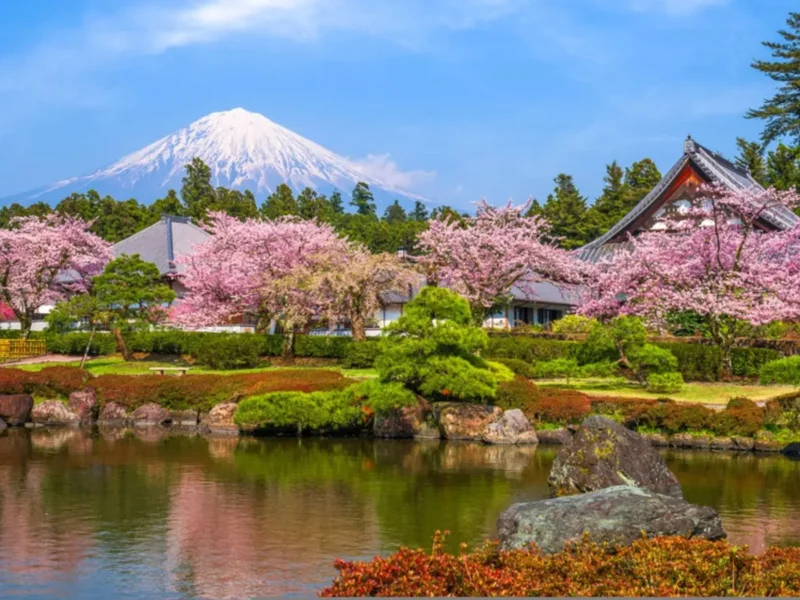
(113, 415)
(512, 427)
(602, 454)
(15, 409)
(219, 420)
(406, 422)
(54, 413)
(617, 515)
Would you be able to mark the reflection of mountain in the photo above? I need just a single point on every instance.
(233, 518)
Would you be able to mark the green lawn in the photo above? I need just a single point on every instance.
(114, 365)
(706, 393)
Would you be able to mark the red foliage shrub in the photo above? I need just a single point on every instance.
(741, 420)
(561, 407)
(659, 567)
(50, 381)
(190, 391)
(204, 391)
(549, 405)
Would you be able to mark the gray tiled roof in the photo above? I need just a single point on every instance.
(717, 168)
(162, 242)
(546, 293)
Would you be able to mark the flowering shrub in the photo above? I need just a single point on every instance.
(670, 566)
(50, 381)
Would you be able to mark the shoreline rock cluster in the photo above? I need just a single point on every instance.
(611, 485)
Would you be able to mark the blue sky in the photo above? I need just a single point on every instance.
(494, 97)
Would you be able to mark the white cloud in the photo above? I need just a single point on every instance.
(382, 168)
(674, 7)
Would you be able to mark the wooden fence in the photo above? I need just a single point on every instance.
(16, 349)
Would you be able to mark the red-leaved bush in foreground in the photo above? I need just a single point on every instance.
(659, 567)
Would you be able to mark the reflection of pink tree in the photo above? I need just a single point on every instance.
(228, 275)
(46, 260)
(484, 257)
(716, 261)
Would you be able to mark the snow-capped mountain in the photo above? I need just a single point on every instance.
(245, 150)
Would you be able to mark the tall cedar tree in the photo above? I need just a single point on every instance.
(280, 203)
(783, 167)
(394, 214)
(566, 210)
(751, 158)
(363, 200)
(781, 113)
(420, 212)
(197, 192)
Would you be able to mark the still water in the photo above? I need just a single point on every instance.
(85, 515)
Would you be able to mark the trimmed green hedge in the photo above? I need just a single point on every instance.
(698, 362)
(531, 349)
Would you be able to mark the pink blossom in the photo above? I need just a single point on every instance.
(46, 260)
(229, 274)
(485, 256)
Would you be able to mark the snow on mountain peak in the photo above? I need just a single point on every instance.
(245, 150)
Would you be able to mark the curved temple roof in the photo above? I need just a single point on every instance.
(715, 167)
(162, 242)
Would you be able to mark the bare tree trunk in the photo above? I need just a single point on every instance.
(288, 342)
(25, 325)
(122, 346)
(88, 346)
(358, 325)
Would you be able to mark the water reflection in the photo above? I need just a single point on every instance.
(120, 513)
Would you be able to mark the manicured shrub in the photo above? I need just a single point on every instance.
(649, 359)
(573, 324)
(50, 381)
(231, 351)
(565, 368)
(782, 371)
(747, 362)
(432, 349)
(598, 369)
(74, 343)
(380, 397)
(321, 346)
(562, 407)
(318, 411)
(784, 411)
(662, 567)
(361, 355)
(530, 349)
(664, 383)
(519, 393)
(518, 367)
(500, 371)
(202, 392)
(678, 417)
(739, 418)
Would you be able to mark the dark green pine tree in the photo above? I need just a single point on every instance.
(337, 206)
(610, 206)
(312, 205)
(280, 203)
(781, 113)
(169, 205)
(640, 178)
(119, 220)
(197, 192)
(395, 214)
(566, 210)
(241, 205)
(363, 200)
(420, 212)
(83, 206)
(783, 167)
(751, 159)
(534, 209)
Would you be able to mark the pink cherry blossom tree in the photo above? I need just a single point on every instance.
(45, 260)
(351, 284)
(717, 259)
(484, 257)
(230, 274)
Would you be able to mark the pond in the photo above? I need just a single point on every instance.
(183, 516)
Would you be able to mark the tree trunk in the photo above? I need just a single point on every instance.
(122, 346)
(288, 342)
(25, 325)
(358, 325)
(725, 366)
(88, 346)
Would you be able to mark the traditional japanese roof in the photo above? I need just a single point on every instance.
(546, 293)
(162, 242)
(713, 167)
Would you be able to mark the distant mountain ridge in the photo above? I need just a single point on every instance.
(244, 150)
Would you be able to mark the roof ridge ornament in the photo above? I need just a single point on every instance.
(689, 146)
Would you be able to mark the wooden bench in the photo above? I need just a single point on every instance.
(163, 370)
